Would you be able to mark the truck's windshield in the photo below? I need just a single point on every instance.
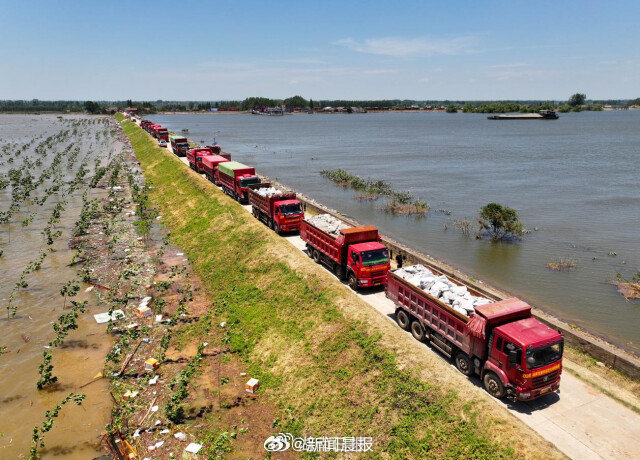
(379, 256)
(249, 181)
(538, 357)
(287, 209)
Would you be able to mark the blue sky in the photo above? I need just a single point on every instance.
(199, 50)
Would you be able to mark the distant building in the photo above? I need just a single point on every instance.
(131, 110)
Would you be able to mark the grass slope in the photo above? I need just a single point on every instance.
(330, 374)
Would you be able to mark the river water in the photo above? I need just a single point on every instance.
(574, 182)
(76, 432)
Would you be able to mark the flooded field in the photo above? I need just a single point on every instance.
(46, 166)
(574, 182)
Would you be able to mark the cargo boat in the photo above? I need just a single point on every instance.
(541, 115)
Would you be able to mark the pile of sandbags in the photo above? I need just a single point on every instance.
(442, 288)
(327, 223)
(268, 191)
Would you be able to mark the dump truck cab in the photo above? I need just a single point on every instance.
(369, 263)
(287, 215)
(530, 355)
(524, 354)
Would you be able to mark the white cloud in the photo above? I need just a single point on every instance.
(424, 80)
(409, 47)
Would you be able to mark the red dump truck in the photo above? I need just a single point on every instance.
(353, 253)
(194, 156)
(235, 179)
(179, 144)
(162, 133)
(278, 209)
(210, 164)
(144, 124)
(513, 353)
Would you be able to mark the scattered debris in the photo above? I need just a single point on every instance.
(151, 364)
(193, 448)
(252, 385)
(102, 318)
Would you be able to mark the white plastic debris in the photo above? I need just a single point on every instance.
(159, 217)
(158, 318)
(223, 324)
(180, 253)
(89, 289)
(180, 436)
(105, 317)
(327, 223)
(155, 408)
(193, 448)
(165, 431)
(159, 443)
(136, 434)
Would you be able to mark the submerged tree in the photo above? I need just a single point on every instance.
(501, 221)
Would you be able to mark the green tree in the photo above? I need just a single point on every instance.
(501, 221)
(577, 99)
(91, 107)
(311, 104)
(452, 109)
(295, 101)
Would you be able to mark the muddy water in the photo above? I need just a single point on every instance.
(574, 182)
(76, 431)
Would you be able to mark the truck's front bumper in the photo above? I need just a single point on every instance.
(530, 394)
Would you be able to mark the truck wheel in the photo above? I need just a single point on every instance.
(339, 271)
(417, 331)
(463, 363)
(316, 256)
(353, 282)
(310, 251)
(403, 320)
(493, 385)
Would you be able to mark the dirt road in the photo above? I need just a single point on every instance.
(581, 421)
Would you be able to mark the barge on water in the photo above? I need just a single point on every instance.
(541, 115)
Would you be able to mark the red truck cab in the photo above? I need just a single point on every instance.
(355, 253)
(280, 210)
(527, 357)
(162, 133)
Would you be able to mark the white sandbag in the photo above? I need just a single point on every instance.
(480, 301)
(459, 290)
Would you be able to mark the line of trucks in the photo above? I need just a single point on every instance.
(501, 342)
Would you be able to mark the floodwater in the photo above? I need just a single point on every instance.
(76, 432)
(574, 182)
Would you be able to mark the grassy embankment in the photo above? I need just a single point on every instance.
(329, 374)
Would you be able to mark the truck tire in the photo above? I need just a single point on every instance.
(353, 282)
(310, 251)
(493, 385)
(403, 320)
(417, 331)
(339, 271)
(316, 256)
(463, 363)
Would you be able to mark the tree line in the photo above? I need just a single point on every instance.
(576, 102)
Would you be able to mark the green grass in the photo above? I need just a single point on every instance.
(329, 374)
